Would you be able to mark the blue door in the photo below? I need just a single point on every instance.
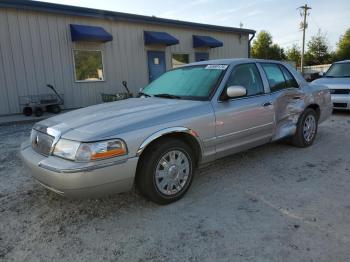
(201, 56)
(156, 64)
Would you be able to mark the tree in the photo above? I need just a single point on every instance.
(294, 55)
(277, 53)
(318, 50)
(343, 46)
(264, 48)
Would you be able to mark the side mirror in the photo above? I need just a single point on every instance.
(236, 91)
(321, 74)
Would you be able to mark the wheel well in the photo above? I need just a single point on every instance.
(187, 138)
(316, 108)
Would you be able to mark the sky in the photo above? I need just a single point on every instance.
(280, 18)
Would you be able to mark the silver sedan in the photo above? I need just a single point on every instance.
(187, 117)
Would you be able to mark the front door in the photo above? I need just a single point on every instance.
(247, 121)
(156, 64)
(201, 56)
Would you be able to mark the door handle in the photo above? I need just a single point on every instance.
(297, 97)
(269, 103)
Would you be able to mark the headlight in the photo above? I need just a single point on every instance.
(85, 152)
(66, 149)
(100, 150)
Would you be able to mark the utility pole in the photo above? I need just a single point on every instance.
(304, 12)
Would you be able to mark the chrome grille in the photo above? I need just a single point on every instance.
(41, 142)
(343, 105)
(340, 91)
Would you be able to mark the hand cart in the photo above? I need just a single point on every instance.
(37, 104)
(117, 96)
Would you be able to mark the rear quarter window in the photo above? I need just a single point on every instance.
(290, 80)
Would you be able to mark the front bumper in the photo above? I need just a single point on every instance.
(341, 101)
(80, 179)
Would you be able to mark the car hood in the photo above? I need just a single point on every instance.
(107, 120)
(333, 83)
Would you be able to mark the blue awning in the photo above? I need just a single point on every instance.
(161, 38)
(206, 41)
(89, 33)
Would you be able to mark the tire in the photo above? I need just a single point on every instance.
(38, 112)
(167, 181)
(27, 111)
(302, 137)
(56, 109)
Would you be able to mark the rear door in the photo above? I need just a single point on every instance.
(156, 64)
(244, 122)
(286, 97)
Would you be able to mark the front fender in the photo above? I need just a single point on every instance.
(167, 131)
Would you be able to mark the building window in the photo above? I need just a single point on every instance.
(88, 65)
(178, 60)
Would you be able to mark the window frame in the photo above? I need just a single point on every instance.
(221, 96)
(103, 66)
(179, 53)
(285, 80)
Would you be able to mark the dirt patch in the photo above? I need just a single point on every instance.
(272, 203)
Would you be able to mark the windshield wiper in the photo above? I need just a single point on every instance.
(168, 96)
(144, 94)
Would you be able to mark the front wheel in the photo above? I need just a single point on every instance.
(38, 112)
(165, 172)
(306, 129)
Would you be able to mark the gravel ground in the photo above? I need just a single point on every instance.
(272, 203)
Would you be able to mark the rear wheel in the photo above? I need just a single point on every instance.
(27, 111)
(306, 129)
(165, 171)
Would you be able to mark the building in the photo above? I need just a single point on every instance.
(84, 52)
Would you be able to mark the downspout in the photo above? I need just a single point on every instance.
(249, 44)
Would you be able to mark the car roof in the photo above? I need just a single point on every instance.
(230, 61)
(236, 61)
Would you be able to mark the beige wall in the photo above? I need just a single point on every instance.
(36, 49)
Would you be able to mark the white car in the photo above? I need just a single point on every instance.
(337, 79)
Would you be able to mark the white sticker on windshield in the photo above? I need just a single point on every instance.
(217, 67)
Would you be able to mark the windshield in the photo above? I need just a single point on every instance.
(192, 82)
(339, 70)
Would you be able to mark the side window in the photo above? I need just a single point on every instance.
(274, 76)
(290, 80)
(248, 76)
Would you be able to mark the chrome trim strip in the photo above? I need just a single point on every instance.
(82, 169)
(244, 130)
(237, 132)
(167, 131)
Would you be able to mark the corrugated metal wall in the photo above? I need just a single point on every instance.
(36, 49)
